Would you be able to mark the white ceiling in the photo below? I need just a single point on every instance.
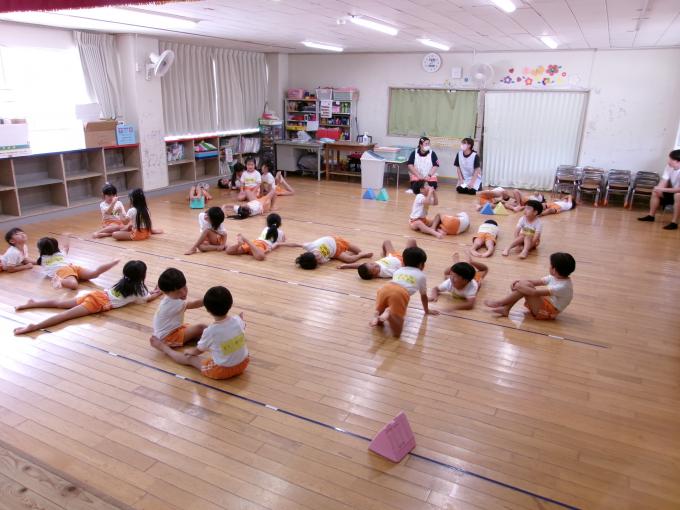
(466, 25)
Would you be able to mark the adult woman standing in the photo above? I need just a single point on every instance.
(423, 165)
(468, 168)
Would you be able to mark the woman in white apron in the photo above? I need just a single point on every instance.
(423, 164)
(468, 168)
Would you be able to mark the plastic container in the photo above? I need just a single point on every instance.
(345, 94)
(295, 94)
(324, 94)
(372, 171)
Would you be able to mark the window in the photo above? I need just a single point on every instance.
(43, 85)
(435, 112)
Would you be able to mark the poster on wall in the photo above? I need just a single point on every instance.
(326, 109)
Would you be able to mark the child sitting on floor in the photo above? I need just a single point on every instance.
(129, 289)
(528, 231)
(168, 322)
(270, 238)
(213, 235)
(382, 268)
(487, 233)
(326, 248)
(137, 220)
(463, 282)
(16, 257)
(426, 196)
(558, 206)
(56, 266)
(392, 299)
(224, 339)
(112, 211)
(251, 181)
(544, 303)
(269, 181)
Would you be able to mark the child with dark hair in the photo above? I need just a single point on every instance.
(168, 322)
(468, 168)
(224, 340)
(64, 274)
(545, 298)
(326, 248)
(129, 289)
(254, 207)
(251, 181)
(233, 182)
(559, 206)
(213, 235)
(112, 211)
(270, 238)
(463, 282)
(137, 220)
(384, 267)
(16, 257)
(667, 192)
(528, 231)
(392, 299)
(486, 237)
(418, 220)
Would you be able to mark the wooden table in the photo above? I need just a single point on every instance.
(339, 147)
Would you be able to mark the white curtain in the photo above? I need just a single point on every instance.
(188, 90)
(527, 135)
(99, 59)
(213, 89)
(241, 84)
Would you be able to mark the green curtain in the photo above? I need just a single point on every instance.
(451, 113)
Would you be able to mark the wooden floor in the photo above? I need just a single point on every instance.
(508, 413)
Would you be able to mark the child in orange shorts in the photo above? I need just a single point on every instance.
(487, 233)
(463, 282)
(392, 299)
(382, 268)
(254, 207)
(168, 322)
(224, 340)
(137, 221)
(213, 236)
(270, 238)
(326, 248)
(130, 289)
(277, 182)
(558, 206)
(544, 298)
(62, 273)
(425, 196)
(112, 211)
(452, 225)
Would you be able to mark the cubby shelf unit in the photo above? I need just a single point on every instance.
(39, 183)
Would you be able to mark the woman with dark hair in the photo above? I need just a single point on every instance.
(468, 168)
(423, 165)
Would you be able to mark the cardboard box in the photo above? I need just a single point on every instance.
(101, 133)
(14, 136)
(125, 134)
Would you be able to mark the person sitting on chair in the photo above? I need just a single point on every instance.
(667, 192)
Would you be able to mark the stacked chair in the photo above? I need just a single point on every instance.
(618, 182)
(567, 178)
(593, 183)
(643, 184)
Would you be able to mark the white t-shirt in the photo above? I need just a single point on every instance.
(672, 176)
(251, 179)
(281, 238)
(118, 301)
(326, 246)
(255, 207)
(467, 292)
(132, 216)
(388, 266)
(52, 263)
(561, 291)
(14, 256)
(420, 208)
(529, 228)
(204, 224)
(488, 228)
(268, 179)
(412, 279)
(564, 205)
(116, 214)
(226, 341)
(169, 316)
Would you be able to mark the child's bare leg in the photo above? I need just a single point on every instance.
(420, 226)
(377, 317)
(387, 247)
(411, 243)
(47, 303)
(180, 357)
(535, 304)
(242, 196)
(250, 195)
(528, 246)
(205, 194)
(106, 231)
(490, 248)
(272, 199)
(502, 306)
(280, 180)
(72, 313)
(193, 333)
(70, 283)
(548, 211)
(234, 249)
(255, 251)
(476, 245)
(396, 324)
(519, 241)
(89, 274)
(193, 192)
(436, 221)
(201, 239)
(122, 235)
(157, 231)
(353, 257)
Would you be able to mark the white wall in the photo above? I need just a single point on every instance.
(633, 107)
(19, 34)
(277, 73)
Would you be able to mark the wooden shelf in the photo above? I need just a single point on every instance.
(180, 181)
(121, 170)
(40, 209)
(180, 162)
(86, 201)
(39, 182)
(87, 175)
(346, 174)
(6, 188)
(7, 217)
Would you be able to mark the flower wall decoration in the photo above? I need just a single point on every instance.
(536, 77)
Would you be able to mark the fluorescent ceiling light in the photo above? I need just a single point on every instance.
(373, 25)
(505, 5)
(549, 41)
(135, 17)
(434, 44)
(321, 46)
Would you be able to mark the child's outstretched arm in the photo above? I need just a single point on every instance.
(351, 265)
(27, 264)
(194, 303)
(194, 248)
(291, 244)
(154, 294)
(426, 308)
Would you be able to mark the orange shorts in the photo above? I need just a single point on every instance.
(450, 224)
(95, 301)
(426, 221)
(140, 235)
(70, 270)
(176, 337)
(547, 311)
(264, 246)
(553, 206)
(485, 197)
(485, 236)
(111, 223)
(213, 371)
(341, 246)
(214, 238)
(280, 190)
(392, 296)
